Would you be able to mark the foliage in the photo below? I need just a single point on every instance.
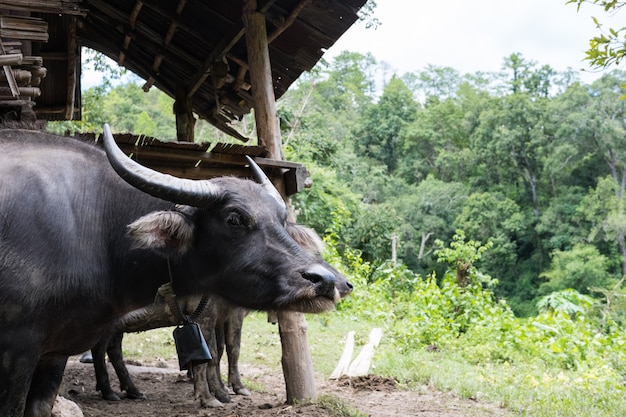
(567, 360)
(522, 158)
(579, 268)
(609, 47)
(526, 161)
(378, 135)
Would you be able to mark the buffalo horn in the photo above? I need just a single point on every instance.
(157, 184)
(261, 178)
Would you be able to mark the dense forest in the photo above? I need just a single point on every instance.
(529, 160)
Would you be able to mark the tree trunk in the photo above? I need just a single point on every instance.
(425, 238)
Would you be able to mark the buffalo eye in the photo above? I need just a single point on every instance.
(235, 219)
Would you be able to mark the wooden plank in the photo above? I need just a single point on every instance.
(361, 365)
(199, 156)
(346, 357)
(72, 78)
(45, 6)
(24, 27)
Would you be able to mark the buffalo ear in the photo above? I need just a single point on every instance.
(165, 232)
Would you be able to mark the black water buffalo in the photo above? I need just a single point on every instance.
(221, 323)
(84, 241)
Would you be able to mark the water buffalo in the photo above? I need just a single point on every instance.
(221, 323)
(84, 241)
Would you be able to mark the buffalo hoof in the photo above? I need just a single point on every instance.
(135, 395)
(111, 396)
(212, 403)
(222, 395)
(243, 391)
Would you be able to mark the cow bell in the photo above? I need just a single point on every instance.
(190, 345)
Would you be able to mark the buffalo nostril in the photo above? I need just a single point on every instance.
(322, 278)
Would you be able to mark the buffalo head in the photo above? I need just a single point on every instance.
(227, 236)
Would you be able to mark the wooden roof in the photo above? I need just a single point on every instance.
(206, 160)
(195, 46)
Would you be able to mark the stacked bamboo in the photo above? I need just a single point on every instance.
(44, 6)
(22, 27)
(21, 74)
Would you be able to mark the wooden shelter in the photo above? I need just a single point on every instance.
(193, 50)
(217, 59)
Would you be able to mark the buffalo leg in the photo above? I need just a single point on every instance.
(234, 327)
(201, 388)
(45, 386)
(111, 344)
(16, 371)
(114, 350)
(99, 364)
(214, 333)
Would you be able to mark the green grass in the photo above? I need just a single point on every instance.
(326, 334)
(526, 390)
(337, 407)
(150, 347)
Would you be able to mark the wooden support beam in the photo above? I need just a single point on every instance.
(153, 39)
(296, 356)
(265, 113)
(44, 6)
(289, 21)
(132, 21)
(134, 14)
(185, 120)
(11, 59)
(158, 59)
(220, 51)
(72, 63)
(9, 75)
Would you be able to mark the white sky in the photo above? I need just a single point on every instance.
(476, 35)
(472, 35)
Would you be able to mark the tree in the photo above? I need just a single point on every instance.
(372, 232)
(605, 210)
(349, 83)
(510, 143)
(599, 132)
(609, 47)
(437, 142)
(434, 82)
(580, 268)
(427, 211)
(526, 78)
(378, 135)
(493, 217)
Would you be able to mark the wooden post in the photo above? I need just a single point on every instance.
(72, 62)
(265, 114)
(296, 356)
(185, 121)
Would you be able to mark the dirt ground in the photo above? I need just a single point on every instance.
(170, 394)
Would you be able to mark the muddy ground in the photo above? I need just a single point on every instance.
(170, 394)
